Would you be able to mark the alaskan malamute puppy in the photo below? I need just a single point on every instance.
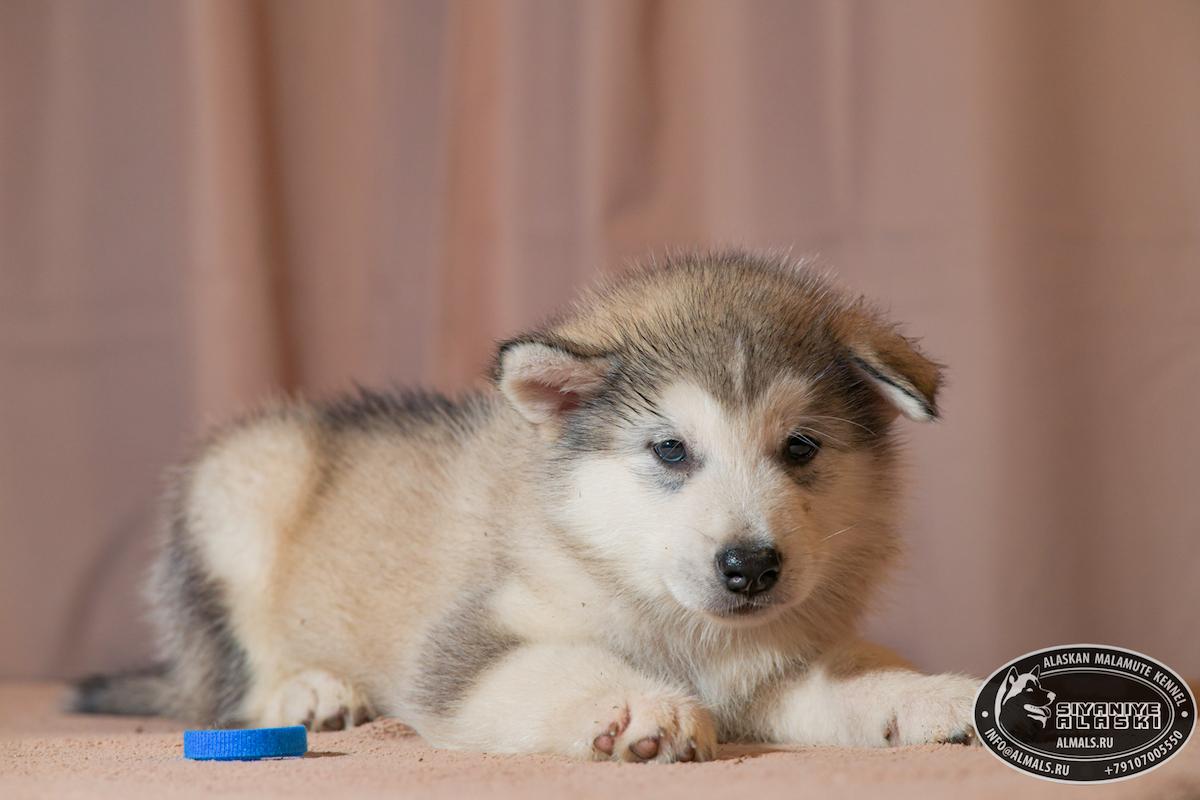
(657, 531)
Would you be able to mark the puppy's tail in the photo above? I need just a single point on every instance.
(144, 692)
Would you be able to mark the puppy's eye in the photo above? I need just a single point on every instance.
(800, 449)
(671, 451)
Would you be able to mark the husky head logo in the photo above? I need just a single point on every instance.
(1022, 705)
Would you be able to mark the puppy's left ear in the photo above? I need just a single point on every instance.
(892, 363)
(545, 380)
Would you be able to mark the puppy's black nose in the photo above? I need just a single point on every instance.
(749, 570)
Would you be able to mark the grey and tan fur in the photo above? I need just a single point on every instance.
(520, 570)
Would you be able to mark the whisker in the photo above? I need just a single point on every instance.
(702, 533)
(836, 533)
(842, 419)
(819, 433)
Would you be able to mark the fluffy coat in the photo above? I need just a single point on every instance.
(520, 570)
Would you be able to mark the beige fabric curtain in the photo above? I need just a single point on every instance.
(206, 203)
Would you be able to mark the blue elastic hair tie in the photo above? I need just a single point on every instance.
(245, 745)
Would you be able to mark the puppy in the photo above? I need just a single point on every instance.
(657, 530)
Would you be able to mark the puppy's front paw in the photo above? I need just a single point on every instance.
(933, 708)
(661, 727)
(318, 701)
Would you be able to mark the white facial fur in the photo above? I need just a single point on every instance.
(662, 528)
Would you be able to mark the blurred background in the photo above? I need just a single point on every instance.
(205, 204)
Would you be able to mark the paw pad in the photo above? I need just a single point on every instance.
(645, 749)
(657, 728)
(319, 702)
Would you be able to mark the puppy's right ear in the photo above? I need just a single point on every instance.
(1011, 677)
(890, 362)
(544, 380)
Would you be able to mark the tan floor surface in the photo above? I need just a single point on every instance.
(45, 753)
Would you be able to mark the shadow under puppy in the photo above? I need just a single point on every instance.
(657, 530)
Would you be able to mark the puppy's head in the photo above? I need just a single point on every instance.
(719, 428)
